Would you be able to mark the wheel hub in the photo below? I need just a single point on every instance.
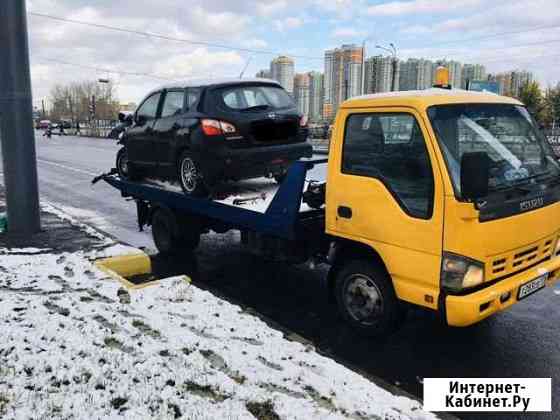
(123, 164)
(189, 174)
(363, 299)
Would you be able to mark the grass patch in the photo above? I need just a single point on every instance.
(145, 328)
(4, 401)
(113, 343)
(205, 391)
(262, 411)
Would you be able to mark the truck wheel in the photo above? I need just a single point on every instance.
(190, 177)
(169, 236)
(124, 168)
(366, 298)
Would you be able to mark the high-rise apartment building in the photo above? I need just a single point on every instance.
(316, 82)
(511, 82)
(264, 74)
(472, 72)
(282, 70)
(343, 76)
(455, 72)
(416, 74)
(301, 92)
(382, 74)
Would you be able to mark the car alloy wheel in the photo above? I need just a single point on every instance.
(123, 164)
(363, 299)
(189, 175)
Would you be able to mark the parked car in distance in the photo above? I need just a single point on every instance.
(43, 124)
(66, 124)
(205, 132)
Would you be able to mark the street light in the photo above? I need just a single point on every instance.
(368, 38)
(393, 52)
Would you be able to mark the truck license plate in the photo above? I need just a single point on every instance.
(531, 287)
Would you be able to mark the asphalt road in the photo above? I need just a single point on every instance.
(522, 342)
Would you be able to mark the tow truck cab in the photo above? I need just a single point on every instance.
(452, 195)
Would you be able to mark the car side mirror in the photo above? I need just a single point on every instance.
(121, 117)
(475, 174)
(140, 120)
(129, 119)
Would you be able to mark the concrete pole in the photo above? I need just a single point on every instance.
(16, 117)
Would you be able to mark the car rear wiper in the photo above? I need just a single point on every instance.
(256, 108)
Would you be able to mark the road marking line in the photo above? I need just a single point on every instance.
(67, 167)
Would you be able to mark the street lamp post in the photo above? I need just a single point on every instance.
(393, 51)
(364, 43)
(16, 113)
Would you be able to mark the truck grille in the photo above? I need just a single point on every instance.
(519, 259)
(274, 131)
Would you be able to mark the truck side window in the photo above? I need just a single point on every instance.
(391, 148)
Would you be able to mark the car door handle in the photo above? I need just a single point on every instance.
(344, 212)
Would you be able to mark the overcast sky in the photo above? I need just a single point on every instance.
(452, 29)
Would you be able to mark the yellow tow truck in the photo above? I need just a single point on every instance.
(442, 198)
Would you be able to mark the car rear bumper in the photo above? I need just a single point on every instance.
(244, 163)
(469, 309)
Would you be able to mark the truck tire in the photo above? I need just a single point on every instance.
(366, 298)
(189, 176)
(124, 168)
(170, 237)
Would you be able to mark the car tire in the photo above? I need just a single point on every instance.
(189, 176)
(124, 168)
(172, 237)
(366, 298)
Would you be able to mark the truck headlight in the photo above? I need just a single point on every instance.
(459, 273)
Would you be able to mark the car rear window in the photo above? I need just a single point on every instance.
(248, 97)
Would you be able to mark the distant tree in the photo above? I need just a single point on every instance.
(72, 101)
(552, 105)
(531, 95)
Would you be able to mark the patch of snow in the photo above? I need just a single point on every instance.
(63, 213)
(166, 185)
(71, 349)
(113, 251)
(29, 250)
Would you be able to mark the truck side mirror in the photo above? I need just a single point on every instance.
(475, 173)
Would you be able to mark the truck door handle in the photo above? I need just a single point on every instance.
(345, 212)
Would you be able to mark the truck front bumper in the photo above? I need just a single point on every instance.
(469, 309)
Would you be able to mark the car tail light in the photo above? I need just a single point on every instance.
(228, 128)
(216, 128)
(211, 127)
(303, 121)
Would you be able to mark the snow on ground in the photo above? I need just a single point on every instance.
(71, 349)
(58, 211)
(252, 194)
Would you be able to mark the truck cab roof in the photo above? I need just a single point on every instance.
(422, 99)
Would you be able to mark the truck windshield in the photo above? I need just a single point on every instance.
(518, 153)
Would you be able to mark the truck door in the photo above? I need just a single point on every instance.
(139, 143)
(385, 191)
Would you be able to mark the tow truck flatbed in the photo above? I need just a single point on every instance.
(282, 218)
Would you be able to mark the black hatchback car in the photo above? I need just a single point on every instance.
(206, 132)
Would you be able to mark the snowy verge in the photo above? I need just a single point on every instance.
(71, 349)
